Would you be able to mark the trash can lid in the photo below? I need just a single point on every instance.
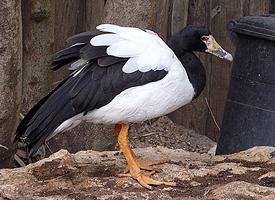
(261, 26)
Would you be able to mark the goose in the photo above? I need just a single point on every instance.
(121, 75)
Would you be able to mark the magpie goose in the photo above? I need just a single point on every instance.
(121, 75)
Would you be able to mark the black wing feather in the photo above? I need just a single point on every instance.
(109, 60)
(90, 52)
(84, 37)
(73, 52)
(68, 51)
(81, 48)
(55, 65)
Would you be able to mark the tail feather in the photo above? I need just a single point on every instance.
(46, 116)
(44, 111)
(22, 127)
(49, 127)
(55, 108)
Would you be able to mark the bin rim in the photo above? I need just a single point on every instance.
(261, 26)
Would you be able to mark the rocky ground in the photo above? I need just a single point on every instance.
(248, 175)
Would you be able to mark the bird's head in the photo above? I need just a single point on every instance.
(198, 38)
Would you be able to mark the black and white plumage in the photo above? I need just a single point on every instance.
(119, 75)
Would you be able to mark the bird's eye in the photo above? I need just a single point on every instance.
(204, 38)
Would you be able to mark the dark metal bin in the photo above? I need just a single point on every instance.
(249, 116)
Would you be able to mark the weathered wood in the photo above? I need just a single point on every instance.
(162, 23)
(38, 34)
(10, 73)
(94, 13)
(70, 19)
(143, 14)
(179, 15)
(219, 76)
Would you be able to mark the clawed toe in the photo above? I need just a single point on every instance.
(146, 181)
(129, 175)
(147, 165)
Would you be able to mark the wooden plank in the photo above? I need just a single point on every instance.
(143, 14)
(162, 21)
(179, 15)
(38, 34)
(219, 76)
(70, 19)
(94, 13)
(10, 74)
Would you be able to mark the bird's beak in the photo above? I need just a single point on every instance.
(214, 48)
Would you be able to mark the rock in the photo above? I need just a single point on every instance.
(242, 190)
(212, 151)
(268, 179)
(90, 174)
(262, 154)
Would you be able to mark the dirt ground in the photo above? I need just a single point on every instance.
(163, 132)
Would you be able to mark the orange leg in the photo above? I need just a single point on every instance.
(143, 164)
(134, 169)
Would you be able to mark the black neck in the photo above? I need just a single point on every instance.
(193, 66)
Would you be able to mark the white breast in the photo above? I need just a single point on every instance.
(145, 102)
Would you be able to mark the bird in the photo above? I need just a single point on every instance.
(121, 75)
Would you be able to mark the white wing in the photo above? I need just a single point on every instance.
(145, 49)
